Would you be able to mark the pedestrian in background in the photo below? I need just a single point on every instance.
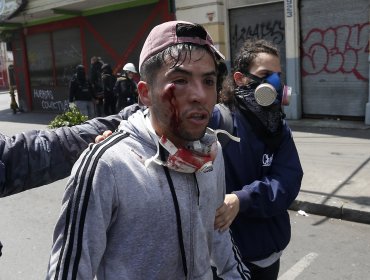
(126, 88)
(81, 93)
(108, 82)
(97, 85)
(263, 170)
(160, 177)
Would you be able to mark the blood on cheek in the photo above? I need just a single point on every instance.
(169, 97)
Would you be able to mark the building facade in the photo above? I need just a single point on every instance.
(59, 35)
(324, 48)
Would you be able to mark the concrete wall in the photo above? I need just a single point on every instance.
(210, 14)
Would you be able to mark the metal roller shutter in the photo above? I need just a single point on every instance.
(334, 57)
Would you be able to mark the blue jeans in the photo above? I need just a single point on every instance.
(86, 108)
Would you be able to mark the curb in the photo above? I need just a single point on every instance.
(327, 123)
(332, 208)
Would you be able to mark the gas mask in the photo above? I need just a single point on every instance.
(269, 90)
(264, 97)
(196, 156)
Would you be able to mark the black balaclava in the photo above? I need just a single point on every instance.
(270, 117)
(269, 93)
(106, 69)
(266, 121)
(80, 73)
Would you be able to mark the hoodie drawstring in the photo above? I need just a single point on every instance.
(177, 210)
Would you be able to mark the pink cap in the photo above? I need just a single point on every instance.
(167, 34)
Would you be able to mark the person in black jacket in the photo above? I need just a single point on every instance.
(125, 88)
(96, 83)
(80, 92)
(108, 82)
(263, 170)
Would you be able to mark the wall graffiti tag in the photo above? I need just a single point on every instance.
(339, 49)
(265, 21)
(45, 97)
(272, 30)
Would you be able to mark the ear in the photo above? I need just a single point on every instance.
(240, 79)
(143, 91)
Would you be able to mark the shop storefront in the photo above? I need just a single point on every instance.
(46, 54)
(324, 49)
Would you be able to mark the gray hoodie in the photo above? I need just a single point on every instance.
(118, 219)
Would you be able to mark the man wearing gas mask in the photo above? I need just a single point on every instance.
(263, 170)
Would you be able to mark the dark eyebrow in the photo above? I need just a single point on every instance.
(211, 73)
(188, 73)
(177, 69)
(268, 71)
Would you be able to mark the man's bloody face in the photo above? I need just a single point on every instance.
(182, 97)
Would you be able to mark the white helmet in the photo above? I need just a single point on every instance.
(129, 67)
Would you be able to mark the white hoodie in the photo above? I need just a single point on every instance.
(118, 219)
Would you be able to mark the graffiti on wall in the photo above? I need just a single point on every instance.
(271, 30)
(337, 49)
(45, 97)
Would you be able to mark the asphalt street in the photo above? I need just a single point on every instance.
(335, 156)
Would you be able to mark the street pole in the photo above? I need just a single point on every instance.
(13, 102)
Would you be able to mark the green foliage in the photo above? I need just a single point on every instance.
(71, 117)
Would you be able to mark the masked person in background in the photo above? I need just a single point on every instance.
(126, 88)
(108, 82)
(263, 170)
(80, 92)
(159, 177)
(95, 76)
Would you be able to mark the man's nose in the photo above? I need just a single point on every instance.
(198, 92)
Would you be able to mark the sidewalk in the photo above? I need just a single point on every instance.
(13, 123)
(335, 156)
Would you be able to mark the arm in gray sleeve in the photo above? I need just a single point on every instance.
(74, 257)
(225, 255)
(35, 158)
